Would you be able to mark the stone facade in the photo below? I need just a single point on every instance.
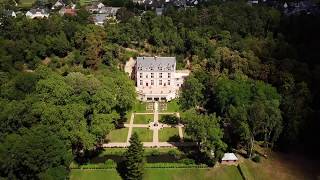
(157, 78)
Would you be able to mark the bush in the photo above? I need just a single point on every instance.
(187, 161)
(154, 153)
(169, 119)
(175, 153)
(110, 162)
(256, 158)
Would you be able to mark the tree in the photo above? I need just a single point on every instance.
(134, 159)
(205, 130)
(31, 152)
(251, 107)
(191, 94)
(123, 14)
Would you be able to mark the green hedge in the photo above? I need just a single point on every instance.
(147, 165)
(174, 165)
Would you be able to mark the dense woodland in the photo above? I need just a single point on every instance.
(255, 77)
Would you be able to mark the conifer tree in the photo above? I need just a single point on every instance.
(134, 161)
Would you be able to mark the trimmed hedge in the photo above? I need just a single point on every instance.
(174, 165)
(147, 165)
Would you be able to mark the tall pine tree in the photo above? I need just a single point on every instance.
(134, 161)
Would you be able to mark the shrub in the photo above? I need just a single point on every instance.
(110, 162)
(154, 153)
(256, 158)
(169, 119)
(175, 153)
(187, 161)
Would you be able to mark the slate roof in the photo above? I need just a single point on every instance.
(156, 64)
(38, 10)
(99, 18)
(110, 11)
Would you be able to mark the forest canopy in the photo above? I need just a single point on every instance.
(255, 75)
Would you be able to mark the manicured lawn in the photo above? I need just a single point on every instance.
(145, 134)
(173, 106)
(142, 118)
(140, 107)
(118, 135)
(77, 174)
(220, 173)
(169, 135)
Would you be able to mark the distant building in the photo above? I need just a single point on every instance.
(109, 11)
(58, 4)
(37, 13)
(229, 158)
(157, 78)
(95, 7)
(105, 13)
(10, 13)
(67, 11)
(159, 11)
(99, 19)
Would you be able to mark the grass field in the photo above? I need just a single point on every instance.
(26, 3)
(280, 166)
(145, 134)
(169, 134)
(142, 118)
(223, 173)
(118, 135)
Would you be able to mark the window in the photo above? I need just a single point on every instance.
(160, 75)
(140, 75)
(141, 83)
(151, 75)
(147, 76)
(169, 82)
(169, 75)
(178, 85)
(152, 82)
(160, 82)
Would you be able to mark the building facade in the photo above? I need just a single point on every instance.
(157, 78)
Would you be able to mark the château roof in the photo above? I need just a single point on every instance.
(156, 64)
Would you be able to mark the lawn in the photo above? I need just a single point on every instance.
(280, 166)
(118, 135)
(26, 3)
(139, 107)
(169, 135)
(142, 118)
(145, 134)
(223, 172)
(172, 106)
(77, 174)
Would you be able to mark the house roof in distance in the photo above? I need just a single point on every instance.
(165, 64)
(229, 157)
